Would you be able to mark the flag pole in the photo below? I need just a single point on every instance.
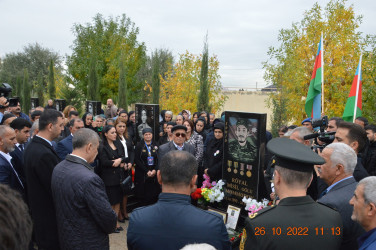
(357, 86)
(322, 73)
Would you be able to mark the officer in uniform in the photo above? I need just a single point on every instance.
(244, 147)
(297, 222)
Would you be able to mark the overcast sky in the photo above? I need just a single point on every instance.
(240, 31)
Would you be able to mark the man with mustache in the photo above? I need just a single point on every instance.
(244, 147)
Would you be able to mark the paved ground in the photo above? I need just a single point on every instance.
(119, 241)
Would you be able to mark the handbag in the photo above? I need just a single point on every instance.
(126, 184)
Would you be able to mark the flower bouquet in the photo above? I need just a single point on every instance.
(210, 192)
(253, 206)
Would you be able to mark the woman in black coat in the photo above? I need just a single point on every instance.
(145, 178)
(122, 136)
(214, 154)
(112, 162)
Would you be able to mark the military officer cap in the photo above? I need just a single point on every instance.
(293, 155)
(176, 127)
(243, 122)
(147, 130)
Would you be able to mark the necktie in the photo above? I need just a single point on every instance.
(21, 147)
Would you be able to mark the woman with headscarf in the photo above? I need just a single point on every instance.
(131, 126)
(196, 140)
(186, 113)
(214, 154)
(88, 120)
(195, 117)
(147, 187)
(200, 127)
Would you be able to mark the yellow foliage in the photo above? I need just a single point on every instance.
(179, 90)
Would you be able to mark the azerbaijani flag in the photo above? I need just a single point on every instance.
(353, 111)
(313, 101)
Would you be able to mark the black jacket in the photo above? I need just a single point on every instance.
(112, 176)
(213, 159)
(40, 160)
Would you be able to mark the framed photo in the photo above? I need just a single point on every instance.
(233, 216)
(224, 214)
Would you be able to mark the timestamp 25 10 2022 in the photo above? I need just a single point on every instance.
(297, 231)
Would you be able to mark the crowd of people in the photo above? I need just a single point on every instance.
(71, 173)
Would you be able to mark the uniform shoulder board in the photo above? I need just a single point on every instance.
(252, 216)
(326, 205)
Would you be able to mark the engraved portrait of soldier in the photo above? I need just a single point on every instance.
(242, 140)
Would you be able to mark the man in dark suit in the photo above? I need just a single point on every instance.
(173, 222)
(179, 132)
(40, 159)
(22, 129)
(64, 147)
(8, 174)
(340, 161)
(297, 222)
(83, 212)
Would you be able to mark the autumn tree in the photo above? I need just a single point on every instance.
(290, 65)
(203, 95)
(181, 87)
(107, 39)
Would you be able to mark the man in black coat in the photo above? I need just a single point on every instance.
(297, 222)
(40, 159)
(173, 222)
(83, 212)
(177, 143)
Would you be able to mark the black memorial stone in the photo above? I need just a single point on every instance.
(93, 107)
(60, 104)
(243, 159)
(147, 116)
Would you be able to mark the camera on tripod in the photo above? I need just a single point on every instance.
(325, 137)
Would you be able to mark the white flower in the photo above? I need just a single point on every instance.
(254, 130)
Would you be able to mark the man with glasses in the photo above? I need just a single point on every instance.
(179, 133)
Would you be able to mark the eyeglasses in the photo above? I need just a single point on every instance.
(180, 134)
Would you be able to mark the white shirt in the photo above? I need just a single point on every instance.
(124, 142)
(45, 140)
(9, 158)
